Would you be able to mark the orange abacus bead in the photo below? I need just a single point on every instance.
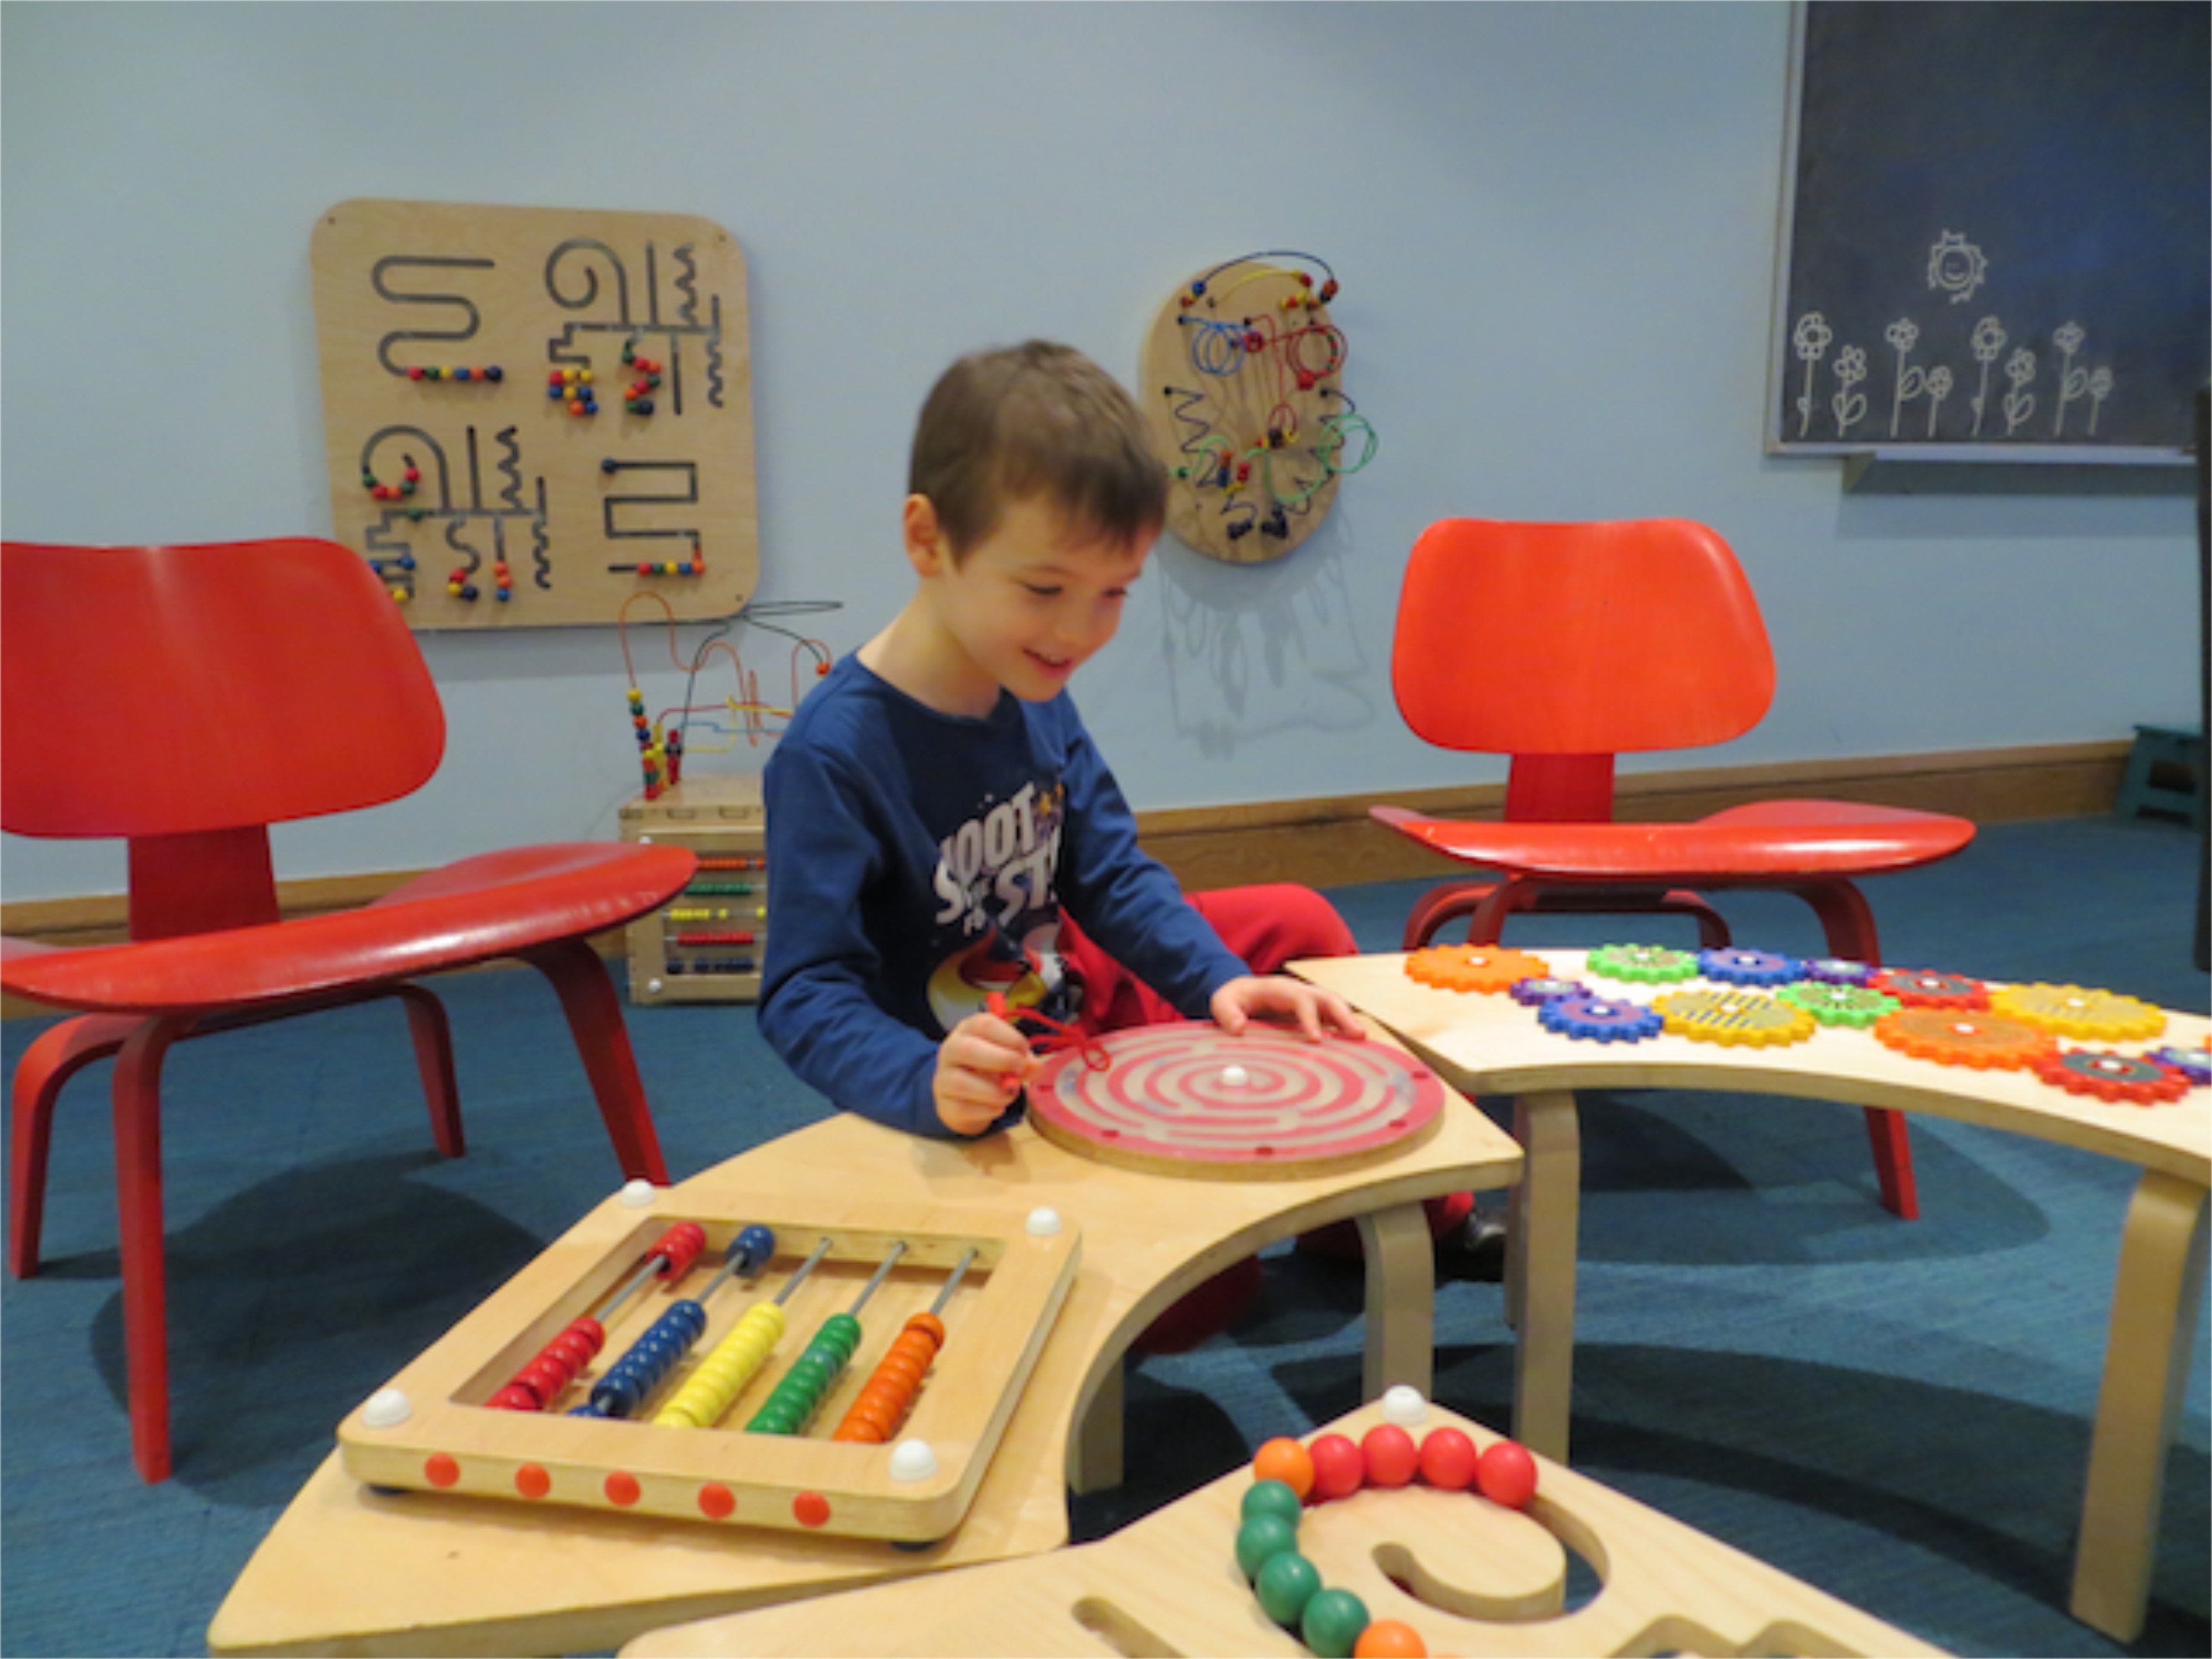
(1283, 1459)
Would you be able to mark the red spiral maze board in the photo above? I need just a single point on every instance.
(1190, 1099)
(996, 1320)
(532, 414)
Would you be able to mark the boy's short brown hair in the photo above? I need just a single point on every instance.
(1035, 420)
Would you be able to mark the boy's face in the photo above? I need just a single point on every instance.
(1028, 604)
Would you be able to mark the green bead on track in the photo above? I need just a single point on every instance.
(1273, 1497)
(1331, 1622)
(1286, 1582)
(1259, 1539)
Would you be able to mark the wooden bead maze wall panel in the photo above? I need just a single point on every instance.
(530, 414)
(435, 1429)
(706, 945)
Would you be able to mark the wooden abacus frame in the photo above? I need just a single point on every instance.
(996, 1325)
(716, 815)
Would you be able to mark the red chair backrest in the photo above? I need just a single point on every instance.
(172, 691)
(1577, 639)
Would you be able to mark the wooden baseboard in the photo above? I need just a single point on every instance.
(1330, 841)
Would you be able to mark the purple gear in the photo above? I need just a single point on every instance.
(1835, 970)
(1534, 992)
(1599, 1019)
(2195, 1064)
(1735, 967)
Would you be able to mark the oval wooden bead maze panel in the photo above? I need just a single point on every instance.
(1190, 1099)
(736, 1361)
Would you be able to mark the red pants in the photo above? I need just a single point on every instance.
(1267, 927)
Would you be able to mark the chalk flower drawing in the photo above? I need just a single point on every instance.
(1903, 335)
(2020, 402)
(1988, 342)
(2073, 382)
(1849, 406)
(1956, 267)
(1811, 339)
(2100, 388)
(1939, 387)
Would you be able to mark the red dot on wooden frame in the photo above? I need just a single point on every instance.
(621, 1489)
(811, 1509)
(440, 1470)
(716, 1501)
(532, 1481)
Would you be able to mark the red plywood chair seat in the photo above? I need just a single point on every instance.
(183, 700)
(1562, 646)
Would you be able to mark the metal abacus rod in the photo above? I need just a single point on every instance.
(736, 1359)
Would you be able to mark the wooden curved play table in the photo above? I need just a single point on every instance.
(354, 1570)
(1467, 1575)
(1488, 1045)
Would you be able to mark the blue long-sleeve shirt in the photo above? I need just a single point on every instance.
(918, 862)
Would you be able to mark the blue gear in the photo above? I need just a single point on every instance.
(1738, 967)
(1599, 1020)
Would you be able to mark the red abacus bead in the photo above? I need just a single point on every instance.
(440, 1470)
(679, 1247)
(621, 1489)
(1340, 1470)
(554, 378)
(1448, 1459)
(514, 1398)
(546, 1376)
(1391, 1456)
(1507, 1475)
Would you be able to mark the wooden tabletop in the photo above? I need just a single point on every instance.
(1487, 1043)
(353, 1571)
(1468, 1576)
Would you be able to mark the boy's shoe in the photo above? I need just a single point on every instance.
(1475, 1250)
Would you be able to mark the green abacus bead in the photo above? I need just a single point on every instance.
(1286, 1582)
(1331, 1622)
(1262, 1538)
(842, 1327)
(1273, 1497)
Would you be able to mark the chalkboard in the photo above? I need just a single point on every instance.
(1997, 227)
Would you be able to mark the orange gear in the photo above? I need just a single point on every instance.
(2110, 1076)
(1733, 1019)
(1473, 967)
(1918, 988)
(2069, 1011)
(1964, 1037)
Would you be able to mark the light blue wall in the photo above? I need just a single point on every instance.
(1554, 225)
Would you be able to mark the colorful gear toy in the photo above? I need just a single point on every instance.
(1734, 1019)
(1534, 992)
(2195, 1064)
(1988, 1042)
(1598, 1019)
(1735, 967)
(1916, 987)
(1836, 971)
(2112, 1076)
(1473, 967)
(1644, 964)
(1833, 1004)
(2069, 1010)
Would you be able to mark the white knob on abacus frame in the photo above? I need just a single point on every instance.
(1043, 1223)
(913, 1460)
(638, 1194)
(387, 1408)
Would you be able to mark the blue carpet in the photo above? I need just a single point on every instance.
(1763, 1352)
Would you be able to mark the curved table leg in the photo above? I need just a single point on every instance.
(1540, 1269)
(1401, 1299)
(2147, 1360)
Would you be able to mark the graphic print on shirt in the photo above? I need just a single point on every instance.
(995, 886)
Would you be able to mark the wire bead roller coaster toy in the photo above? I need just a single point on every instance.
(506, 1403)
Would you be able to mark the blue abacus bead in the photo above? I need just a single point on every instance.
(505, 594)
(461, 374)
(615, 1394)
(754, 1249)
(589, 1408)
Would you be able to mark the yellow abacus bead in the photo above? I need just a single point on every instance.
(724, 1372)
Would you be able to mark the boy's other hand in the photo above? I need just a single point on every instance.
(1311, 1009)
(981, 1066)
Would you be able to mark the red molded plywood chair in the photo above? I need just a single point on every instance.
(1563, 646)
(184, 699)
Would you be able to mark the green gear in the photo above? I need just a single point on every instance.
(1856, 1006)
(1645, 964)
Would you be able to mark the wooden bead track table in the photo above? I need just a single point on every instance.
(1487, 1044)
(347, 1569)
(1483, 1580)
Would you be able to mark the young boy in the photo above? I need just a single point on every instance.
(940, 825)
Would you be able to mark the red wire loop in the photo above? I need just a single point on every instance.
(1052, 1036)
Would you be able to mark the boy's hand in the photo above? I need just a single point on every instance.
(980, 1065)
(1237, 1004)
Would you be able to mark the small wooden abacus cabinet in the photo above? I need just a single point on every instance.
(705, 945)
(433, 1428)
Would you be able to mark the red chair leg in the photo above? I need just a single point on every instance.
(588, 997)
(1440, 905)
(433, 1058)
(137, 1092)
(1848, 921)
(58, 1055)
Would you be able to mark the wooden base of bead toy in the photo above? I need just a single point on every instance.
(1491, 1046)
(1468, 1576)
(673, 956)
(450, 1440)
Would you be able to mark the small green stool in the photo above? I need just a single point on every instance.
(2166, 775)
